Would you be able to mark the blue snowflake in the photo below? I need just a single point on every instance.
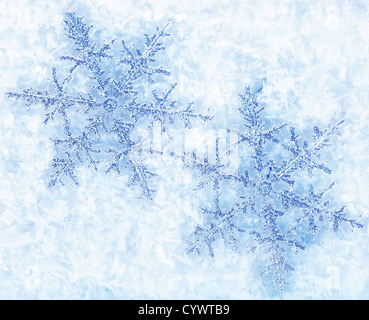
(113, 107)
(276, 211)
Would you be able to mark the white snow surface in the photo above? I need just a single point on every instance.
(97, 241)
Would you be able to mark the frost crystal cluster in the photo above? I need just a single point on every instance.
(271, 204)
(275, 210)
(100, 119)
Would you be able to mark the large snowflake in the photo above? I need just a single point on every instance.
(101, 99)
(276, 209)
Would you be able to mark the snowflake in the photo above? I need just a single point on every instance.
(113, 108)
(275, 208)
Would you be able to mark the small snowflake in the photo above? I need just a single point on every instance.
(275, 208)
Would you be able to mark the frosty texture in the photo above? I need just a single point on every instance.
(101, 98)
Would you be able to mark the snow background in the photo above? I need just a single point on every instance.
(98, 241)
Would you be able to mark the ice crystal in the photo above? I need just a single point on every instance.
(113, 107)
(276, 210)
